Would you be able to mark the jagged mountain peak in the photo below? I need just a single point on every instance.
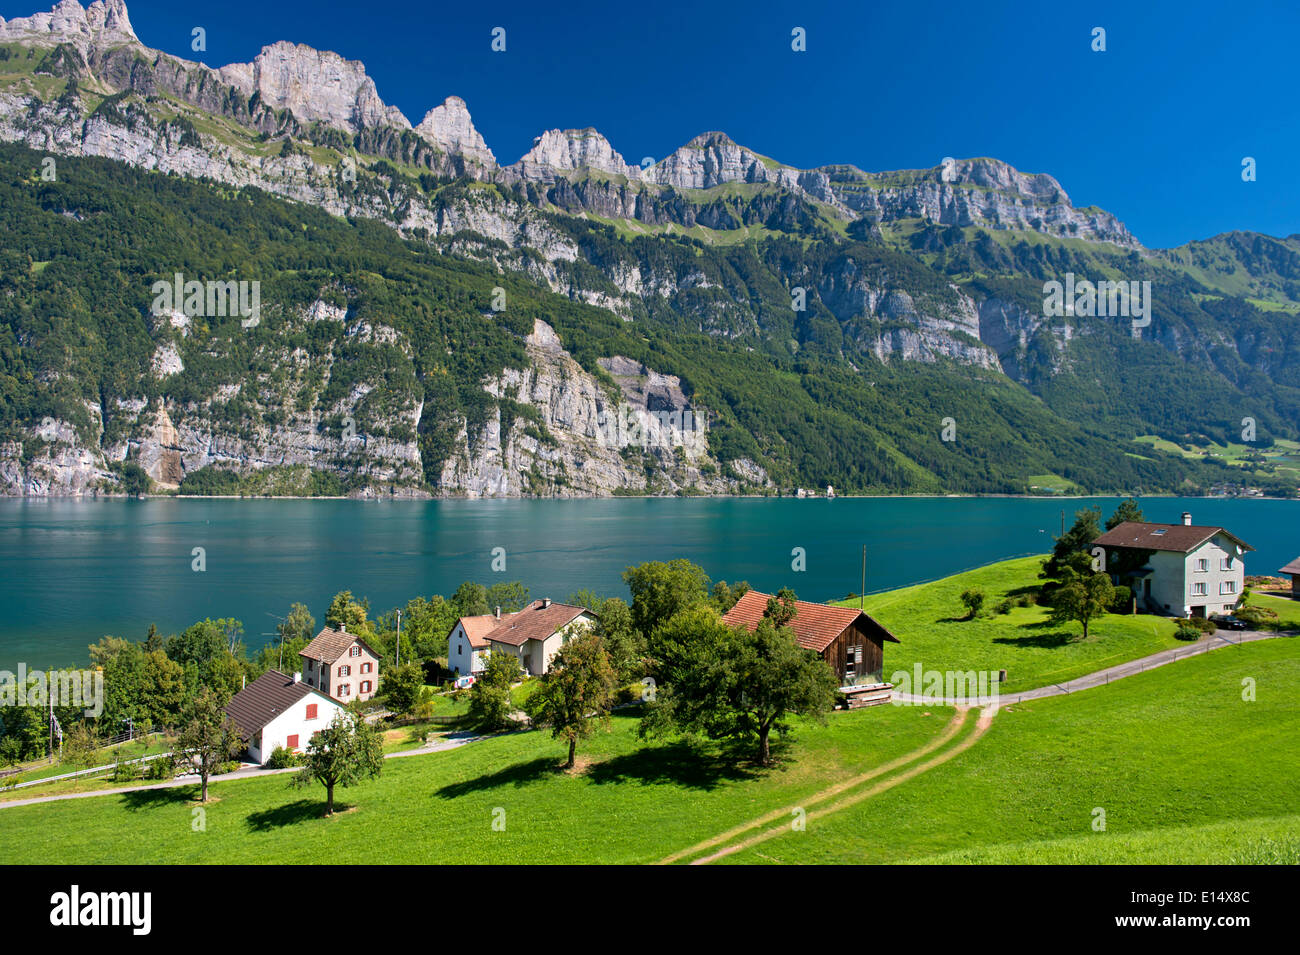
(568, 149)
(997, 174)
(711, 138)
(317, 85)
(450, 127)
(323, 87)
(103, 22)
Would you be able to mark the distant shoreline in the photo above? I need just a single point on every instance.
(389, 499)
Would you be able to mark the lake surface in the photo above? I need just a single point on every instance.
(72, 571)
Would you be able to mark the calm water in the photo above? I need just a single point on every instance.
(72, 571)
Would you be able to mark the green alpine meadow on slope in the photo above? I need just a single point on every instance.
(931, 622)
(1204, 748)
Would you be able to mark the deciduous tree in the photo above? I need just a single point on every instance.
(1082, 598)
(206, 736)
(344, 753)
(576, 692)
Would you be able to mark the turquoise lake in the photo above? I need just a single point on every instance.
(74, 570)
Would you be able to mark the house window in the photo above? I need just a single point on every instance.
(292, 742)
(355, 651)
(345, 689)
(1198, 590)
(1228, 587)
(1225, 563)
(1202, 565)
(365, 686)
(311, 711)
(365, 668)
(852, 662)
(345, 671)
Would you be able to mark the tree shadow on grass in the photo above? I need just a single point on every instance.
(681, 763)
(518, 774)
(1028, 590)
(1043, 640)
(292, 813)
(155, 798)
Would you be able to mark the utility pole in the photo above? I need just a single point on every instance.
(399, 639)
(862, 594)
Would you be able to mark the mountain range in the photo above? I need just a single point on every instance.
(433, 322)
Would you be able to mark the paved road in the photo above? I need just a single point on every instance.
(1110, 674)
(450, 741)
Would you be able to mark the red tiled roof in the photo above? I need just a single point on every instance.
(264, 699)
(331, 644)
(535, 622)
(478, 627)
(815, 626)
(1291, 568)
(1179, 538)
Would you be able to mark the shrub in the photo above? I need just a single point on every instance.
(229, 767)
(1261, 618)
(282, 758)
(1004, 606)
(160, 768)
(1186, 630)
(1123, 602)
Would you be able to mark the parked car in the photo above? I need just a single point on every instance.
(465, 682)
(1231, 623)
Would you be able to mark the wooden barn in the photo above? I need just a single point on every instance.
(850, 642)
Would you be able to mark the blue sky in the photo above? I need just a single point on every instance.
(1154, 129)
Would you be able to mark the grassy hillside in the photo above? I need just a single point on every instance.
(630, 805)
(929, 620)
(1162, 751)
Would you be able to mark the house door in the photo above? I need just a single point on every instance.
(1198, 611)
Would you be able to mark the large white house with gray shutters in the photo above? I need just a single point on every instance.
(1191, 570)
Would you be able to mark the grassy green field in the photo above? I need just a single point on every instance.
(1169, 749)
(1263, 841)
(929, 621)
(632, 803)
(1288, 610)
(1185, 769)
(1283, 454)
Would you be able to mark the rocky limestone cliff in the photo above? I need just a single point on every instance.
(318, 86)
(450, 127)
(103, 23)
(584, 441)
(561, 150)
(976, 192)
(288, 87)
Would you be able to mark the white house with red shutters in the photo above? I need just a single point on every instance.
(276, 710)
(340, 664)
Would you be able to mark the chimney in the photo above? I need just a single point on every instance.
(546, 602)
(297, 677)
(1187, 518)
(498, 611)
(343, 628)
